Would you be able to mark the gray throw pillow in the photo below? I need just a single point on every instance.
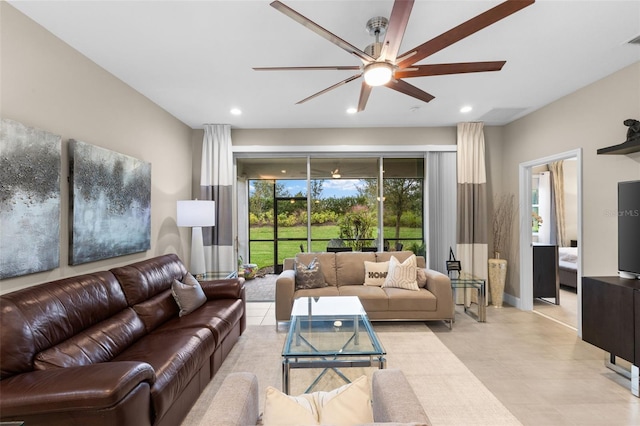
(309, 276)
(188, 294)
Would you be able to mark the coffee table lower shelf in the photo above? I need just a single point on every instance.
(326, 365)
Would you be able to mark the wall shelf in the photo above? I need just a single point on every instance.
(624, 148)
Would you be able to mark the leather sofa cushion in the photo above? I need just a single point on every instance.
(100, 343)
(39, 317)
(219, 316)
(157, 310)
(350, 267)
(175, 358)
(142, 280)
(407, 300)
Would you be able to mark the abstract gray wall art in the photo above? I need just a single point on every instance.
(110, 203)
(29, 199)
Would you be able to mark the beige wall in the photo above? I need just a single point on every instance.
(589, 118)
(349, 136)
(48, 85)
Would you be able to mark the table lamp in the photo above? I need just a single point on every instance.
(196, 214)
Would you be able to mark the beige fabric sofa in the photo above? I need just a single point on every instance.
(344, 273)
(393, 401)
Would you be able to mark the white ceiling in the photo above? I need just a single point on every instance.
(195, 58)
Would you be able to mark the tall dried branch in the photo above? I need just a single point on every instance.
(503, 215)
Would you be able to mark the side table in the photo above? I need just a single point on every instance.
(218, 275)
(465, 281)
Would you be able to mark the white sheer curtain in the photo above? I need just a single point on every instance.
(472, 224)
(441, 202)
(216, 183)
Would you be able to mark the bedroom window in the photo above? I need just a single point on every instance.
(535, 205)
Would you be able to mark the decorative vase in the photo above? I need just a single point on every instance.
(497, 279)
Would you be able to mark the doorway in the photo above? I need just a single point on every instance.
(526, 178)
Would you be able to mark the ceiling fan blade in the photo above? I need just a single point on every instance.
(329, 68)
(396, 28)
(463, 30)
(365, 91)
(341, 83)
(445, 69)
(409, 89)
(322, 31)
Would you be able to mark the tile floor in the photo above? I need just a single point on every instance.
(537, 367)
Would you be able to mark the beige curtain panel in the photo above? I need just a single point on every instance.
(557, 180)
(216, 178)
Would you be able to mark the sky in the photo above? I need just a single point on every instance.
(331, 187)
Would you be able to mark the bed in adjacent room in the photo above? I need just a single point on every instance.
(568, 266)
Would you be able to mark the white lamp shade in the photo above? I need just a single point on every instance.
(196, 213)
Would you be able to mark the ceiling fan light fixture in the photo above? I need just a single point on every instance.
(378, 73)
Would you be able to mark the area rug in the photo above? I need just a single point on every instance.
(448, 391)
(261, 288)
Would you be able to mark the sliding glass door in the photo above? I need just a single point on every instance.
(313, 203)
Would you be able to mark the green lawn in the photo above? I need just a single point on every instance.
(261, 253)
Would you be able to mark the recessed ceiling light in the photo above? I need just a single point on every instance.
(283, 171)
(466, 109)
(352, 110)
(236, 111)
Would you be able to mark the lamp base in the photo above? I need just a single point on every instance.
(197, 265)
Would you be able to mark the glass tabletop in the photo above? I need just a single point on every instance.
(466, 280)
(330, 326)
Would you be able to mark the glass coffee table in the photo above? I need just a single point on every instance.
(329, 333)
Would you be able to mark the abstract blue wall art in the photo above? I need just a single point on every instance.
(110, 203)
(29, 200)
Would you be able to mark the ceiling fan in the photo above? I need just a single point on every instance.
(381, 64)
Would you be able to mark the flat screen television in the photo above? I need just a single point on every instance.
(629, 229)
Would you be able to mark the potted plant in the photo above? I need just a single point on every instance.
(503, 215)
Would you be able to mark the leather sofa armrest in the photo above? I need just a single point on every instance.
(230, 288)
(236, 403)
(285, 288)
(394, 400)
(88, 387)
(440, 285)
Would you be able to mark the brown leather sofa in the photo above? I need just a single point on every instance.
(109, 348)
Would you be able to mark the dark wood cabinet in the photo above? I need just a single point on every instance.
(611, 316)
(546, 282)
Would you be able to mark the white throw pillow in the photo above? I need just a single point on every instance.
(402, 275)
(348, 405)
(375, 273)
(283, 410)
(188, 294)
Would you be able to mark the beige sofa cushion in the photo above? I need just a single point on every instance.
(385, 256)
(350, 267)
(404, 300)
(373, 299)
(317, 292)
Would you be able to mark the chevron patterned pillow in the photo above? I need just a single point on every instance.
(402, 275)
